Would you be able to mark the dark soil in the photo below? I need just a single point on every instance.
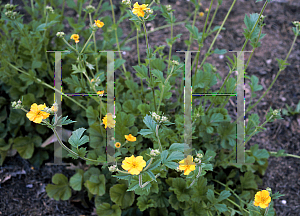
(23, 193)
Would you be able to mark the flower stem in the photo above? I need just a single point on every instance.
(139, 60)
(148, 164)
(234, 203)
(163, 87)
(69, 150)
(170, 50)
(70, 46)
(194, 20)
(95, 46)
(160, 147)
(214, 40)
(253, 49)
(148, 51)
(98, 7)
(45, 84)
(199, 173)
(256, 129)
(86, 43)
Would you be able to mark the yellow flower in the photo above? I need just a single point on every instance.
(187, 165)
(100, 93)
(130, 138)
(117, 145)
(35, 114)
(75, 37)
(134, 165)
(201, 14)
(262, 199)
(139, 9)
(108, 121)
(99, 23)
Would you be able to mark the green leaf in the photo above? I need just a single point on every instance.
(120, 196)
(248, 181)
(77, 180)
(144, 109)
(75, 139)
(24, 146)
(254, 84)
(179, 188)
(129, 106)
(142, 72)
(221, 207)
(143, 202)
(65, 121)
(158, 74)
(105, 209)
(223, 195)
(91, 171)
(60, 189)
(118, 63)
(158, 64)
(92, 115)
(38, 158)
(199, 190)
(176, 155)
(220, 52)
(210, 196)
(178, 147)
(96, 184)
(43, 26)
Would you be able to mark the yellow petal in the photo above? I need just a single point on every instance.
(38, 119)
(134, 171)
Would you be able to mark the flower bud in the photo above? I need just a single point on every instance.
(196, 160)
(169, 8)
(126, 2)
(199, 155)
(60, 34)
(49, 9)
(269, 190)
(157, 151)
(112, 168)
(175, 62)
(296, 23)
(19, 101)
(90, 9)
(150, 11)
(13, 104)
(152, 153)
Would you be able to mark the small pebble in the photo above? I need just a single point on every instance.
(269, 61)
(221, 56)
(283, 202)
(29, 186)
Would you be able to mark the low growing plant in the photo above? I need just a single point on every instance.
(155, 178)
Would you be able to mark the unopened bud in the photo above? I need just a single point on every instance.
(175, 62)
(169, 8)
(126, 2)
(90, 9)
(199, 155)
(49, 9)
(60, 34)
(13, 104)
(112, 168)
(150, 11)
(269, 190)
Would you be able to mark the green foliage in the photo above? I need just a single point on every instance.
(165, 190)
(60, 189)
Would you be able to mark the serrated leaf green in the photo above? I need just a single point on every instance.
(76, 140)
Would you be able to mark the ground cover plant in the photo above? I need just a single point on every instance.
(150, 181)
